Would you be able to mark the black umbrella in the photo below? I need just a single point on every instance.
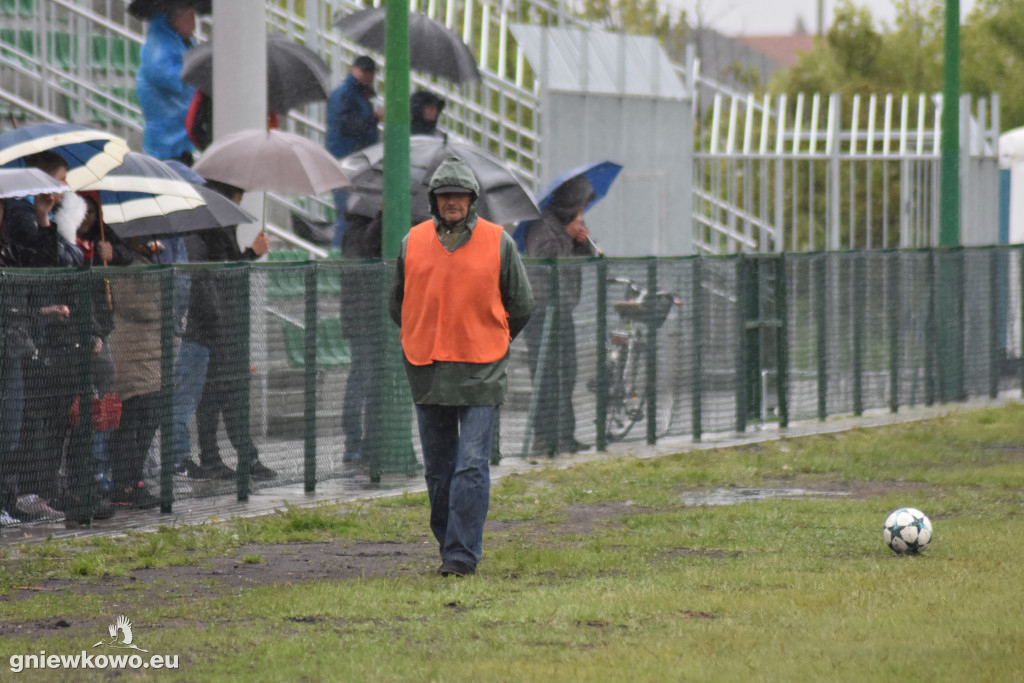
(295, 74)
(147, 9)
(505, 196)
(433, 48)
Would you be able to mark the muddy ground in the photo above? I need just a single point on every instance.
(254, 566)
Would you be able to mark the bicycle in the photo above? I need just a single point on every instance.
(627, 356)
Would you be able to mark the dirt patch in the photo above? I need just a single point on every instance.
(254, 566)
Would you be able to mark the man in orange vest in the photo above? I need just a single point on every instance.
(460, 295)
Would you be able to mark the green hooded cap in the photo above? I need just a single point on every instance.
(454, 172)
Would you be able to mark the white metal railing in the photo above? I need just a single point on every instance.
(816, 172)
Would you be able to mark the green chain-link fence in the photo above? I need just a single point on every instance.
(295, 371)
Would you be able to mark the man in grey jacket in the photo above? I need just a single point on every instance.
(460, 296)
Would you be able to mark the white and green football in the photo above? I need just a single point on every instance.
(907, 531)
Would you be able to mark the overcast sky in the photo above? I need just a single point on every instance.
(759, 17)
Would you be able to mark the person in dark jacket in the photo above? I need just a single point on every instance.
(559, 233)
(460, 295)
(214, 318)
(60, 327)
(351, 125)
(425, 109)
(361, 289)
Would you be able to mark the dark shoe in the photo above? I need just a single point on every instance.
(103, 509)
(456, 568)
(572, 446)
(259, 471)
(136, 497)
(216, 470)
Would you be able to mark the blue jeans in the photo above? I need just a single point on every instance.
(340, 224)
(457, 459)
(189, 378)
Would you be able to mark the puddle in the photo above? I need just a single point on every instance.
(743, 495)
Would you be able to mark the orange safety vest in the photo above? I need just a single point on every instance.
(452, 309)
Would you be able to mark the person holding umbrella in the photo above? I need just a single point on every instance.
(351, 125)
(164, 98)
(425, 109)
(460, 295)
(559, 233)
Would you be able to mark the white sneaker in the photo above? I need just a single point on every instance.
(7, 520)
(34, 509)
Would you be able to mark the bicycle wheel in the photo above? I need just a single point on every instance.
(625, 399)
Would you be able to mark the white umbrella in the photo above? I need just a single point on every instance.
(272, 161)
(90, 153)
(22, 182)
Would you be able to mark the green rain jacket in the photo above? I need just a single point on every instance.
(466, 384)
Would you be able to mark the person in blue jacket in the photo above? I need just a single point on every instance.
(164, 98)
(351, 125)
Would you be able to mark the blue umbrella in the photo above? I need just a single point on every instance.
(601, 174)
(90, 153)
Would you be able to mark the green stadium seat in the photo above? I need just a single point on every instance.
(332, 349)
(28, 8)
(9, 7)
(62, 49)
(286, 282)
(118, 55)
(99, 56)
(134, 56)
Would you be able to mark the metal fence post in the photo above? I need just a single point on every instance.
(894, 303)
(782, 341)
(931, 341)
(652, 351)
(859, 302)
(742, 293)
(310, 368)
(79, 454)
(167, 455)
(697, 362)
(820, 311)
(244, 364)
(993, 324)
(602, 355)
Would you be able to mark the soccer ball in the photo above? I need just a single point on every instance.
(908, 531)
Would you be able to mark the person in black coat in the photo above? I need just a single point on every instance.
(425, 109)
(214, 322)
(559, 233)
(361, 291)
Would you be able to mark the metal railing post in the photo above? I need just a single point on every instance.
(894, 302)
(782, 341)
(167, 455)
(652, 352)
(821, 320)
(859, 303)
(601, 417)
(310, 368)
(697, 352)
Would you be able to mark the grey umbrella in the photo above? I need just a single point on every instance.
(433, 48)
(505, 197)
(295, 74)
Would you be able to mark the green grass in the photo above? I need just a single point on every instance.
(649, 590)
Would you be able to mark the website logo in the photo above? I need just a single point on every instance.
(121, 635)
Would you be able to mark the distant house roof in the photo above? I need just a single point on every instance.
(785, 51)
(571, 60)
